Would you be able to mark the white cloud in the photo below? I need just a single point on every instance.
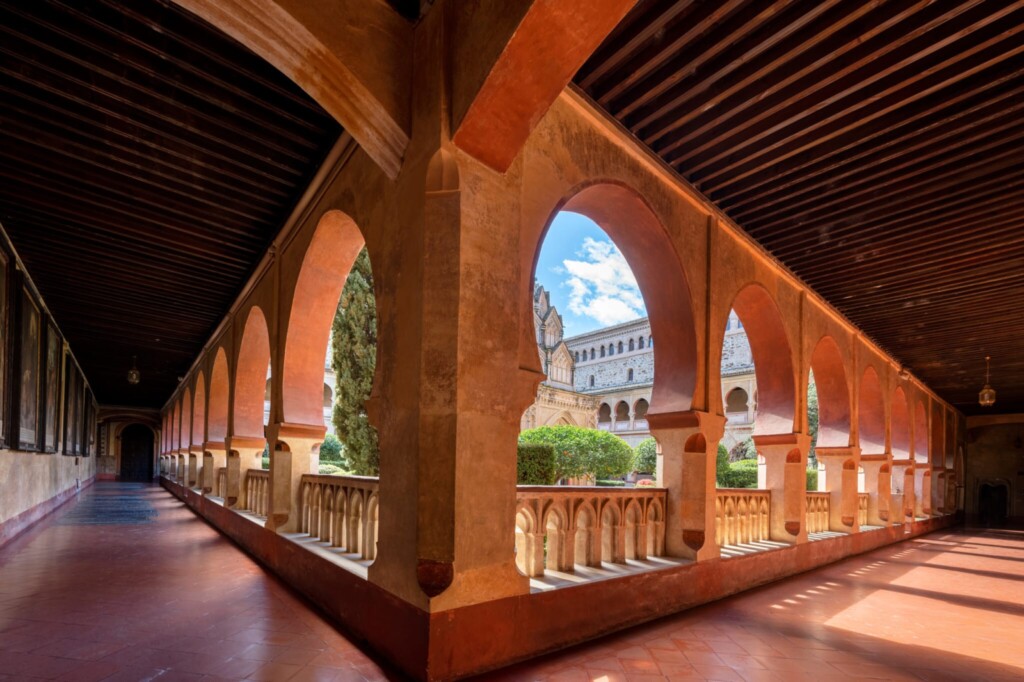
(601, 285)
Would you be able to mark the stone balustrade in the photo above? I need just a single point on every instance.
(862, 508)
(742, 515)
(817, 512)
(257, 491)
(341, 511)
(559, 527)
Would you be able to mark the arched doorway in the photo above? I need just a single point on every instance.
(136, 453)
(993, 503)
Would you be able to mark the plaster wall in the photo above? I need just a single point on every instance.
(34, 484)
(993, 457)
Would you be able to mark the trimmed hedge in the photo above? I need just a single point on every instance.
(611, 484)
(812, 479)
(332, 470)
(645, 456)
(535, 464)
(742, 474)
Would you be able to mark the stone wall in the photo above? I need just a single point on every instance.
(995, 457)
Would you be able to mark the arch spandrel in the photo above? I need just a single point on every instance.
(199, 411)
(871, 413)
(251, 375)
(901, 437)
(217, 410)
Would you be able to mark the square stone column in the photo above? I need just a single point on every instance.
(786, 478)
(922, 491)
(688, 443)
(182, 467)
(938, 490)
(878, 485)
(243, 454)
(903, 477)
(215, 456)
(841, 465)
(294, 451)
(194, 459)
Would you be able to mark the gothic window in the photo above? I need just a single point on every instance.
(622, 412)
(592, 356)
(577, 356)
(611, 349)
(629, 375)
(632, 345)
(641, 343)
(602, 351)
(640, 409)
(591, 380)
(620, 346)
(736, 401)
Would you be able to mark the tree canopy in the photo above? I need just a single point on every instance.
(580, 451)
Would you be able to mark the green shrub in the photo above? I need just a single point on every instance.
(645, 456)
(812, 479)
(535, 464)
(266, 461)
(610, 484)
(581, 452)
(742, 474)
(332, 470)
(331, 450)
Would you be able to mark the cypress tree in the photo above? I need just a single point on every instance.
(354, 358)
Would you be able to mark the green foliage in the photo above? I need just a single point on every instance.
(742, 474)
(812, 421)
(331, 451)
(743, 450)
(610, 484)
(581, 452)
(812, 479)
(354, 359)
(645, 456)
(535, 464)
(266, 461)
(332, 470)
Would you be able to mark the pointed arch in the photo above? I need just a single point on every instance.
(900, 425)
(871, 414)
(185, 430)
(199, 411)
(627, 218)
(833, 394)
(251, 375)
(920, 433)
(217, 411)
(326, 264)
(773, 359)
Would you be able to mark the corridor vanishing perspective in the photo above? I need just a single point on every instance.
(661, 332)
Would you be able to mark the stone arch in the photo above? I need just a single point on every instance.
(587, 550)
(920, 434)
(555, 526)
(251, 376)
(631, 223)
(737, 400)
(199, 411)
(604, 413)
(175, 425)
(526, 530)
(622, 411)
(937, 452)
(773, 359)
(633, 536)
(833, 393)
(611, 518)
(217, 411)
(640, 408)
(899, 423)
(329, 257)
(185, 429)
(871, 414)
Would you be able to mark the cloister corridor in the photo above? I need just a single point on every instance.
(126, 583)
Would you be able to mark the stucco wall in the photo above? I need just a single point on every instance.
(994, 457)
(32, 480)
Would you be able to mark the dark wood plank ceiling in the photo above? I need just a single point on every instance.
(146, 162)
(876, 148)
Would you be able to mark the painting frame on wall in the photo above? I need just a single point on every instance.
(29, 355)
(5, 345)
(71, 383)
(54, 373)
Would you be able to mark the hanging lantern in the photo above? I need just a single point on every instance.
(133, 374)
(987, 395)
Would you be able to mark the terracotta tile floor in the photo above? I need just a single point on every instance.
(155, 595)
(947, 606)
(159, 595)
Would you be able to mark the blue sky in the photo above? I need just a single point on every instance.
(589, 280)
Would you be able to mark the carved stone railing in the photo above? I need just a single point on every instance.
(817, 512)
(257, 491)
(222, 482)
(742, 515)
(341, 511)
(558, 527)
(896, 512)
(862, 508)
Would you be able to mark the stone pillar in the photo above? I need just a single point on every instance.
(909, 495)
(243, 454)
(841, 465)
(215, 456)
(686, 466)
(182, 467)
(786, 478)
(878, 485)
(922, 491)
(294, 451)
(938, 490)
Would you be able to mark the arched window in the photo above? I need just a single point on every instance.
(602, 351)
(328, 396)
(591, 380)
(632, 345)
(620, 346)
(629, 375)
(641, 343)
(736, 401)
(592, 355)
(611, 349)
(650, 342)
(622, 412)
(640, 409)
(604, 413)
(577, 356)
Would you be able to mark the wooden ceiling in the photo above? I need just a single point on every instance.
(875, 148)
(146, 162)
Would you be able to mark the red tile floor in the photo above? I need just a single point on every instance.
(157, 595)
(127, 584)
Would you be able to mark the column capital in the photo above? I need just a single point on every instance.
(291, 435)
(844, 452)
(712, 426)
